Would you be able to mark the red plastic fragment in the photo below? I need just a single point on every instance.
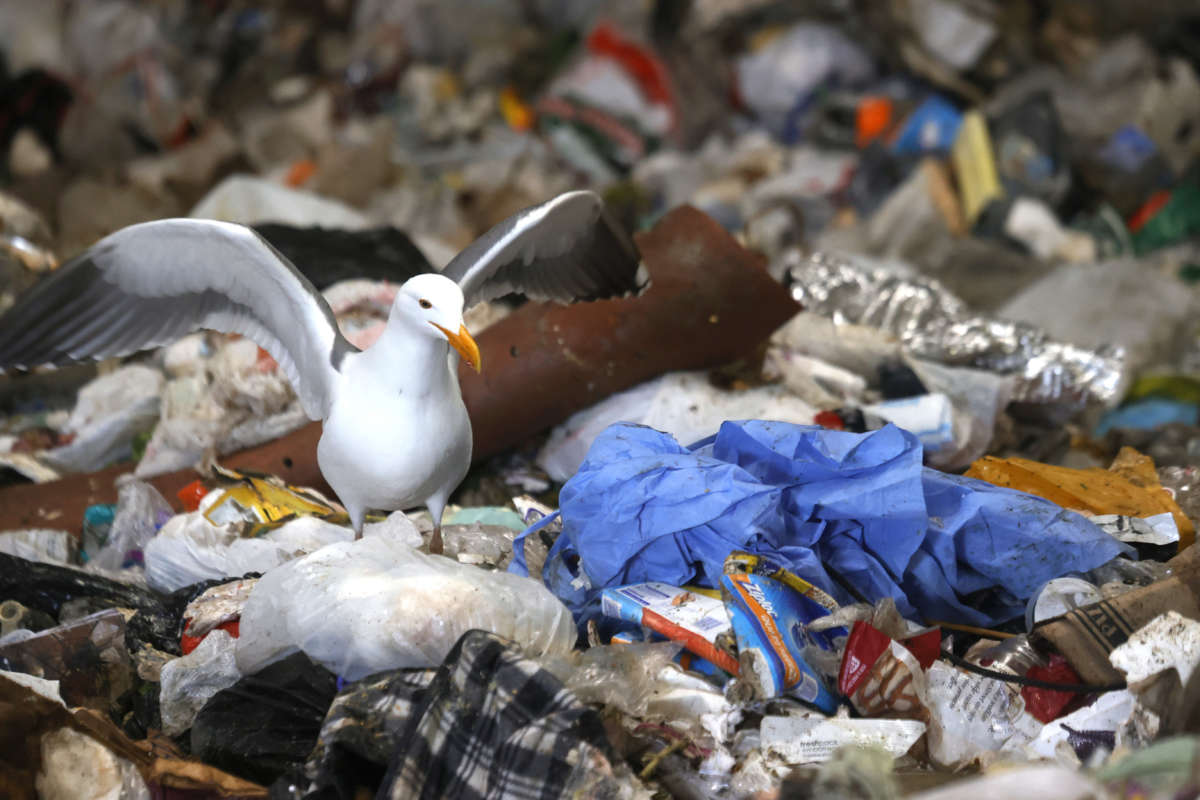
(189, 643)
(1047, 705)
(925, 646)
(192, 494)
(829, 419)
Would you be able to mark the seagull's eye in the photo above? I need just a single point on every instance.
(425, 303)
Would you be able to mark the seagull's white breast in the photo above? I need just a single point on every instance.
(389, 447)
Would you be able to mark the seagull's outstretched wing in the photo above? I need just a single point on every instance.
(566, 249)
(149, 284)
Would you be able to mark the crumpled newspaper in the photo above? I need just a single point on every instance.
(933, 324)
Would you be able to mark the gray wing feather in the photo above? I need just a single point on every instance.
(148, 284)
(568, 248)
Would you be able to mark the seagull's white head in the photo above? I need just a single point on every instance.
(433, 304)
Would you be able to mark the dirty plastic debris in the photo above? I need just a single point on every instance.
(111, 411)
(881, 676)
(140, 512)
(1096, 727)
(76, 765)
(265, 724)
(60, 653)
(189, 548)
(188, 682)
(797, 740)
(218, 607)
(972, 715)
(416, 608)
(40, 544)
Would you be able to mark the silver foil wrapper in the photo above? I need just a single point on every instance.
(932, 323)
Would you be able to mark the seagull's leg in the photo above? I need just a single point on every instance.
(436, 506)
(356, 520)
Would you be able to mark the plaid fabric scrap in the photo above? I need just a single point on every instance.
(489, 723)
(494, 724)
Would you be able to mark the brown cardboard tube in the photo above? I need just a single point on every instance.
(710, 301)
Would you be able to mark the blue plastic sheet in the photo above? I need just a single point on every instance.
(855, 514)
(1148, 414)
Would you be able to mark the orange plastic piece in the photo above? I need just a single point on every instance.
(191, 495)
(300, 172)
(517, 113)
(873, 120)
(1129, 487)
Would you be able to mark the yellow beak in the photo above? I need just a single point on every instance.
(464, 344)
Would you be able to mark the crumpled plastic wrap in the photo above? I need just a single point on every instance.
(189, 682)
(110, 412)
(40, 544)
(217, 606)
(141, 510)
(932, 323)
(624, 676)
(189, 548)
(366, 606)
(76, 765)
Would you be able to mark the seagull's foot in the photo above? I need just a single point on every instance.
(435, 544)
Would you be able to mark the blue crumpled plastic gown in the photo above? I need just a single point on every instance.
(855, 514)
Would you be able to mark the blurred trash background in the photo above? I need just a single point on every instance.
(887, 485)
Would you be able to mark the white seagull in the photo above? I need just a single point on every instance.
(396, 433)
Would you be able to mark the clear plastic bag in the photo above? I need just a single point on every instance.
(376, 604)
(188, 682)
(141, 511)
(190, 549)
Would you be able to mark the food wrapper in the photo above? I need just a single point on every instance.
(1129, 487)
(769, 609)
(972, 716)
(692, 619)
(261, 503)
(884, 678)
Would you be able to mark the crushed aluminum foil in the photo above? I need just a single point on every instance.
(933, 324)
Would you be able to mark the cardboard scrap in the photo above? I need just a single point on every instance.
(1086, 636)
(26, 716)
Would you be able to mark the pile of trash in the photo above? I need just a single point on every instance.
(886, 485)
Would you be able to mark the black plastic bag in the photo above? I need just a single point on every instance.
(267, 723)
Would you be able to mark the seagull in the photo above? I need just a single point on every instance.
(396, 434)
